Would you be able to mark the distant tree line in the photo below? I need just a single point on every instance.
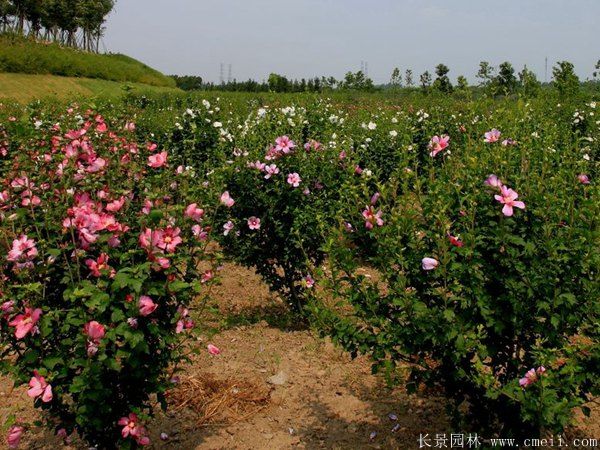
(279, 83)
(495, 81)
(75, 23)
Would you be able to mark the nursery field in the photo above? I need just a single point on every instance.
(300, 271)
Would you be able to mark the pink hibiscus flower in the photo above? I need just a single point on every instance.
(94, 330)
(438, 144)
(294, 179)
(228, 227)
(270, 170)
(157, 160)
(168, 239)
(284, 144)
(583, 179)
(38, 387)
(531, 376)
(115, 205)
(254, 223)
(372, 218)
(508, 197)
(23, 252)
(227, 200)
(147, 306)
(194, 213)
(493, 181)
(99, 265)
(492, 136)
(14, 436)
(26, 323)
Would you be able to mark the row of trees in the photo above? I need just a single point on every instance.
(75, 23)
(495, 81)
(279, 83)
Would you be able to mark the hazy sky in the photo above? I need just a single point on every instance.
(306, 38)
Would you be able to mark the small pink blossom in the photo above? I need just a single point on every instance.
(94, 330)
(375, 197)
(508, 198)
(309, 282)
(583, 179)
(294, 179)
(429, 263)
(493, 181)
(7, 307)
(438, 144)
(14, 436)
(257, 165)
(227, 200)
(228, 227)
(98, 266)
(38, 387)
(194, 213)
(207, 276)
(23, 252)
(213, 350)
(531, 376)
(284, 144)
(147, 306)
(492, 136)
(157, 160)
(508, 142)
(372, 218)
(254, 223)
(270, 170)
(115, 205)
(147, 206)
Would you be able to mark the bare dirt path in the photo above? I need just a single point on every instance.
(274, 386)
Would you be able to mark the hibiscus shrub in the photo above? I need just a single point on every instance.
(489, 293)
(100, 264)
(276, 205)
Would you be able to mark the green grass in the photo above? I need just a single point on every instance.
(21, 55)
(25, 87)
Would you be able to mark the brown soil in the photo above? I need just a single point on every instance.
(274, 386)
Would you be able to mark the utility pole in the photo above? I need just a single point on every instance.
(222, 74)
(229, 74)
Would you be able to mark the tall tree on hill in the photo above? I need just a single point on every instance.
(7, 10)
